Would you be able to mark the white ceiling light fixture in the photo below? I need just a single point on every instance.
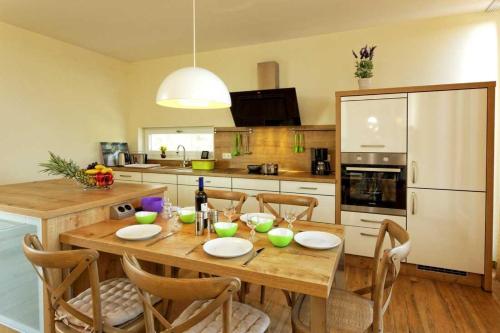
(193, 87)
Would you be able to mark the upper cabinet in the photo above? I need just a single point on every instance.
(447, 139)
(374, 123)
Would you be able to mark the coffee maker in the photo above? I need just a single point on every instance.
(320, 165)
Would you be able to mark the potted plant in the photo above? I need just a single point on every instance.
(364, 66)
(163, 150)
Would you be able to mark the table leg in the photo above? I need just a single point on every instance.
(318, 314)
(340, 273)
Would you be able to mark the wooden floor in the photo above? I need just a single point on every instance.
(418, 305)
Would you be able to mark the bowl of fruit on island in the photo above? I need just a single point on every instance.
(94, 176)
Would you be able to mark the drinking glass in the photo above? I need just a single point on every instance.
(252, 223)
(229, 213)
(290, 217)
(167, 207)
(174, 222)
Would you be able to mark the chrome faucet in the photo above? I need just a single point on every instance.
(184, 162)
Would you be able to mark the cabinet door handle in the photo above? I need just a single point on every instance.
(308, 188)
(372, 146)
(367, 235)
(371, 221)
(413, 203)
(413, 172)
(125, 176)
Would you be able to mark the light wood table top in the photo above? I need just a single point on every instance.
(51, 198)
(293, 268)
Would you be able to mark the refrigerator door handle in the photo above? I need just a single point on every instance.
(413, 172)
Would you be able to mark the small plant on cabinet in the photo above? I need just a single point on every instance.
(163, 150)
(364, 66)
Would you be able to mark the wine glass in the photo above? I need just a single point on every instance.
(290, 216)
(174, 222)
(252, 222)
(229, 213)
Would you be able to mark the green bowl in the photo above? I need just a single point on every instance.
(265, 224)
(280, 237)
(145, 217)
(187, 214)
(225, 229)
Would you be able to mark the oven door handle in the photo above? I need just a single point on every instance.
(395, 170)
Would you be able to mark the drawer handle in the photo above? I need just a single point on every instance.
(125, 176)
(308, 188)
(367, 235)
(372, 146)
(371, 221)
(413, 204)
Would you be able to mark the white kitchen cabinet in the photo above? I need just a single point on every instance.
(252, 205)
(307, 188)
(256, 184)
(447, 139)
(368, 220)
(185, 197)
(127, 176)
(361, 241)
(374, 124)
(447, 229)
(164, 179)
(222, 182)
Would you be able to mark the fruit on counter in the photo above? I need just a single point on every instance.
(100, 167)
(92, 166)
(91, 171)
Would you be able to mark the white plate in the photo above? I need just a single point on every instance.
(317, 240)
(227, 247)
(138, 231)
(247, 216)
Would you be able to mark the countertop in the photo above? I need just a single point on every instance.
(290, 175)
(51, 198)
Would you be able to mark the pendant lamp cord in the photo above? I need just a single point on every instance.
(194, 33)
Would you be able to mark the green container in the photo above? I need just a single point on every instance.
(203, 164)
(280, 237)
(264, 224)
(145, 217)
(187, 214)
(225, 229)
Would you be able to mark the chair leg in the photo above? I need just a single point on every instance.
(243, 292)
(227, 315)
(262, 294)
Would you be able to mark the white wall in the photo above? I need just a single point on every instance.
(54, 96)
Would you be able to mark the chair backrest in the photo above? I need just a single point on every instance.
(78, 261)
(265, 199)
(219, 289)
(386, 268)
(239, 197)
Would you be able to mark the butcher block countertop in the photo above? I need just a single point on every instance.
(290, 175)
(51, 198)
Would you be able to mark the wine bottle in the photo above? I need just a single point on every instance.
(201, 201)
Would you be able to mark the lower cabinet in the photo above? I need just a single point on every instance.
(129, 177)
(169, 180)
(447, 229)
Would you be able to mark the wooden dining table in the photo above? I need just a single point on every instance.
(293, 268)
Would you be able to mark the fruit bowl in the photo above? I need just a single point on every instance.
(98, 176)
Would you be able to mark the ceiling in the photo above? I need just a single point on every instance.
(134, 30)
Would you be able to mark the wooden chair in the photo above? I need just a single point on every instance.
(349, 311)
(227, 195)
(265, 200)
(207, 297)
(110, 306)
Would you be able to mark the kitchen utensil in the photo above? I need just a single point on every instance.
(269, 169)
(290, 217)
(194, 248)
(139, 158)
(122, 159)
(225, 229)
(203, 164)
(295, 142)
(280, 237)
(187, 214)
(246, 146)
(145, 217)
(228, 247)
(236, 145)
(301, 147)
(142, 166)
(138, 231)
(255, 254)
(199, 223)
(318, 240)
(254, 168)
(263, 224)
(160, 238)
(152, 204)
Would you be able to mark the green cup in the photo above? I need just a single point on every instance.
(225, 229)
(280, 237)
(145, 217)
(187, 214)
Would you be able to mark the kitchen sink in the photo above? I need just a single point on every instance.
(177, 168)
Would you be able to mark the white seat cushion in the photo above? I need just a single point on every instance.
(245, 319)
(120, 303)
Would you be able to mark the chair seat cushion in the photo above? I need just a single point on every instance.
(245, 319)
(347, 312)
(120, 303)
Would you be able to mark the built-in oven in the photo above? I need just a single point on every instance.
(374, 183)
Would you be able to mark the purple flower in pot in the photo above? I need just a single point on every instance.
(152, 204)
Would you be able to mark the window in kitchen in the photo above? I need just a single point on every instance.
(194, 139)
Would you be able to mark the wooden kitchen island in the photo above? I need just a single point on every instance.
(47, 208)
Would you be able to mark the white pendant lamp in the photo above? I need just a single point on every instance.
(193, 87)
